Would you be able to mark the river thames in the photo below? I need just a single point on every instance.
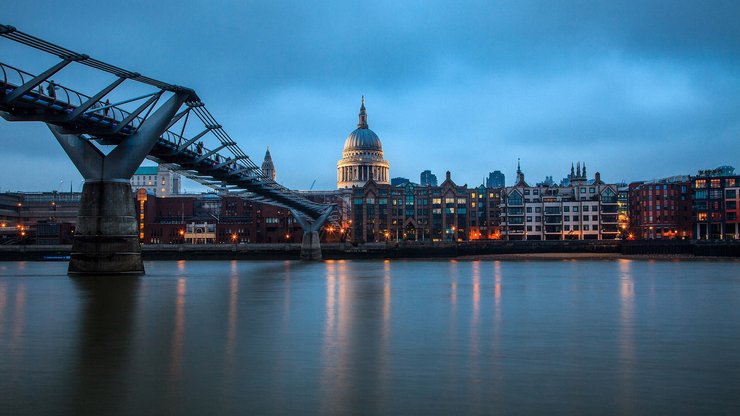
(373, 337)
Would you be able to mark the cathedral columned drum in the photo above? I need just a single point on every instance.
(362, 157)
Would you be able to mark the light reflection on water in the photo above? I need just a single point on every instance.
(373, 337)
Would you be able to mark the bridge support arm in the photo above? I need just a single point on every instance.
(311, 244)
(106, 240)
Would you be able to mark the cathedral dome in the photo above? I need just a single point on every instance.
(363, 139)
(362, 158)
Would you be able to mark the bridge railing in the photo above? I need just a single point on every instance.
(62, 98)
(66, 100)
(235, 170)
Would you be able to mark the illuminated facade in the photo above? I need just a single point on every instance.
(660, 209)
(583, 210)
(411, 212)
(715, 204)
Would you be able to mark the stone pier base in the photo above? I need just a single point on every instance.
(310, 247)
(106, 240)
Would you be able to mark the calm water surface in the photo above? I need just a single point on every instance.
(373, 337)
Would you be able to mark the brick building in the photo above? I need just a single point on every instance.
(660, 209)
(219, 219)
(411, 212)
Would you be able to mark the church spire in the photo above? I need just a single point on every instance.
(572, 171)
(268, 168)
(583, 172)
(518, 167)
(578, 170)
(362, 124)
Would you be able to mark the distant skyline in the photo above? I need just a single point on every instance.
(636, 89)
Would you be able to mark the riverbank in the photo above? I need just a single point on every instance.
(505, 250)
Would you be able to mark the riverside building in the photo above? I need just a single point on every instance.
(581, 210)
(660, 209)
(157, 180)
(411, 212)
(716, 195)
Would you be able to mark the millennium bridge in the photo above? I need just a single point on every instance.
(138, 118)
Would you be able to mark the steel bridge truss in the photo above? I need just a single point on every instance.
(192, 142)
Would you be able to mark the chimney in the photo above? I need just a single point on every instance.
(448, 175)
(597, 177)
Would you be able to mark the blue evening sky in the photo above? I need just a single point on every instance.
(636, 89)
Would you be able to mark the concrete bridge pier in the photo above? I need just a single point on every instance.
(311, 245)
(106, 240)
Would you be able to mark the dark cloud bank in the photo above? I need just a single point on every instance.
(636, 89)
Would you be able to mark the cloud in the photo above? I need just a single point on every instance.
(637, 89)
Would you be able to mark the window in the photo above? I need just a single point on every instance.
(566, 227)
(537, 209)
(526, 192)
(436, 200)
(730, 194)
(529, 218)
(370, 201)
(702, 216)
(594, 218)
(538, 219)
(566, 208)
(730, 182)
(585, 208)
(700, 183)
(529, 228)
(583, 190)
(514, 199)
(575, 209)
(714, 183)
(462, 201)
(594, 208)
(591, 190)
(566, 218)
(700, 194)
(575, 218)
(449, 200)
(538, 228)
(585, 228)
